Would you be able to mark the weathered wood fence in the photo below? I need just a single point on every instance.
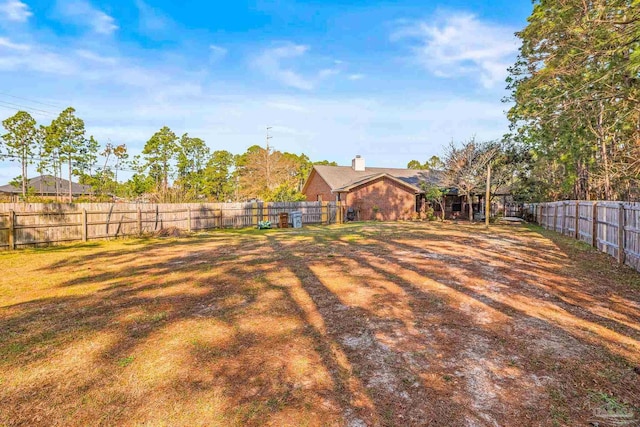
(612, 227)
(41, 224)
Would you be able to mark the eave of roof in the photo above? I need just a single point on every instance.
(45, 184)
(374, 177)
(343, 178)
(340, 176)
(306, 183)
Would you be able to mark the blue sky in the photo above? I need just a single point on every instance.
(389, 80)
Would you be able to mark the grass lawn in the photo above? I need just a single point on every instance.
(365, 324)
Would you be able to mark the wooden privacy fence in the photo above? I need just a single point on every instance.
(40, 224)
(612, 227)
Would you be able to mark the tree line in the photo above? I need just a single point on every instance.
(576, 93)
(171, 168)
(575, 120)
(174, 168)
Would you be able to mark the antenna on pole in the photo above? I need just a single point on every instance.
(267, 160)
(268, 137)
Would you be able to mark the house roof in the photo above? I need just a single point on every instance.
(46, 184)
(344, 178)
(370, 178)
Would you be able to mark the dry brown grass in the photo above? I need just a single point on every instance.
(360, 324)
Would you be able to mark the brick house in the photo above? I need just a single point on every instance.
(391, 194)
(386, 194)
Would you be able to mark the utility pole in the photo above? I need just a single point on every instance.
(487, 211)
(268, 137)
(268, 160)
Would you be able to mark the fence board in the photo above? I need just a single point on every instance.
(632, 235)
(38, 224)
(600, 217)
(585, 232)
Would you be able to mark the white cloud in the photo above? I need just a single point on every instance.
(94, 57)
(334, 128)
(104, 24)
(278, 130)
(151, 19)
(388, 128)
(287, 106)
(217, 52)
(15, 10)
(37, 60)
(461, 45)
(328, 72)
(82, 13)
(80, 63)
(8, 44)
(388, 131)
(272, 63)
(356, 76)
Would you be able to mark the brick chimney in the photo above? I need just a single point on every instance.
(358, 164)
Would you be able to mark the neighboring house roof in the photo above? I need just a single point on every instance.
(344, 178)
(46, 184)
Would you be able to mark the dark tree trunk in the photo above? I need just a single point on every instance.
(24, 174)
(70, 188)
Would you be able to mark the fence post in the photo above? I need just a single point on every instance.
(555, 216)
(139, 220)
(84, 224)
(548, 219)
(576, 233)
(189, 219)
(254, 214)
(323, 209)
(541, 216)
(343, 210)
(564, 217)
(621, 225)
(12, 230)
(594, 232)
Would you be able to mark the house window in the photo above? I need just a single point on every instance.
(419, 202)
(319, 198)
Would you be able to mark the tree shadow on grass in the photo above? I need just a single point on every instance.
(158, 314)
(554, 323)
(397, 394)
(313, 326)
(133, 245)
(547, 284)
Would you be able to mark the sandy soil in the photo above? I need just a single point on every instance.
(372, 324)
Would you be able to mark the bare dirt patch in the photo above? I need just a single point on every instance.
(170, 232)
(368, 324)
